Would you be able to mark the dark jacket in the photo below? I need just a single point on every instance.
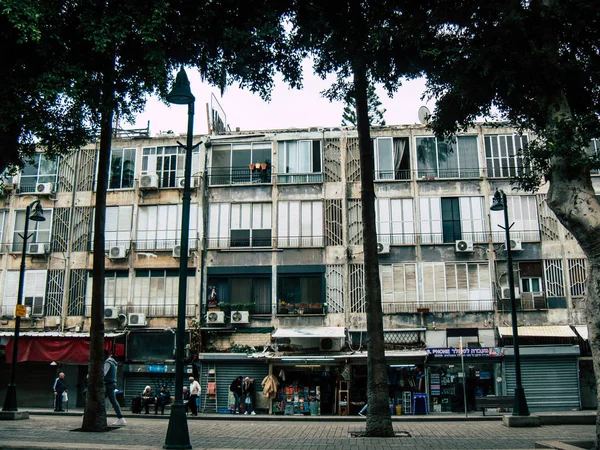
(163, 396)
(59, 386)
(236, 386)
(248, 388)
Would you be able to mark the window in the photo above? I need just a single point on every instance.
(159, 227)
(240, 225)
(299, 162)
(116, 288)
(533, 285)
(300, 224)
(118, 226)
(502, 154)
(38, 169)
(300, 294)
(230, 163)
(395, 220)
(522, 211)
(168, 163)
(243, 292)
(3, 215)
(441, 159)
(577, 276)
(449, 219)
(398, 287)
(392, 161)
(593, 150)
(122, 168)
(34, 291)
(39, 232)
(157, 291)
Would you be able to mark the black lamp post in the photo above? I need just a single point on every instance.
(33, 212)
(178, 436)
(520, 403)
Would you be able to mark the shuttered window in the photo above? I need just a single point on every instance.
(159, 227)
(239, 225)
(522, 210)
(34, 291)
(502, 154)
(116, 288)
(118, 226)
(300, 224)
(398, 287)
(158, 291)
(395, 220)
(430, 220)
(3, 215)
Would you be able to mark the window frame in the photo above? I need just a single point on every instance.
(121, 178)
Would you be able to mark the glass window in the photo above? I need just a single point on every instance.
(447, 159)
(251, 293)
(230, 163)
(300, 224)
(240, 225)
(39, 232)
(300, 294)
(392, 161)
(159, 227)
(122, 168)
(156, 291)
(168, 163)
(34, 291)
(38, 169)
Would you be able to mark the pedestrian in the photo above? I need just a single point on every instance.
(110, 386)
(148, 399)
(162, 399)
(236, 388)
(59, 388)
(186, 398)
(248, 391)
(194, 394)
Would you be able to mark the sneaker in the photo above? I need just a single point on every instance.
(361, 414)
(237, 412)
(246, 413)
(119, 423)
(253, 413)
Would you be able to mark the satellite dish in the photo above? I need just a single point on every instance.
(424, 115)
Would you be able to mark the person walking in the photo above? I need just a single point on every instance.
(110, 385)
(59, 387)
(162, 399)
(248, 391)
(194, 394)
(363, 411)
(236, 388)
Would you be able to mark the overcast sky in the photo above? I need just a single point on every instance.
(289, 108)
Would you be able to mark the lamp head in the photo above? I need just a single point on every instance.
(36, 212)
(497, 202)
(181, 94)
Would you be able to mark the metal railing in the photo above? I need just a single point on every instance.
(432, 174)
(274, 242)
(224, 176)
(150, 310)
(438, 307)
(162, 244)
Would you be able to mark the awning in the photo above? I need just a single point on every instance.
(582, 331)
(58, 347)
(542, 331)
(310, 332)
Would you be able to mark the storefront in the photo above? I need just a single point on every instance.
(455, 382)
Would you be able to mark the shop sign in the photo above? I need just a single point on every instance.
(157, 368)
(455, 352)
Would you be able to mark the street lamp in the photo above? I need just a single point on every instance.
(520, 403)
(33, 212)
(178, 436)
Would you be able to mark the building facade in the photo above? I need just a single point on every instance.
(276, 274)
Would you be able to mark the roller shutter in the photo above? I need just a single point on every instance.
(550, 384)
(134, 384)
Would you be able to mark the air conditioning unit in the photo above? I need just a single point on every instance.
(383, 249)
(515, 245)
(136, 320)
(213, 317)
(111, 313)
(36, 249)
(117, 252)
(240, 317)
(27, 313)
(506, 293)
(177, 251)
(463, 246)
(330, 345)
(181, 183)
(149, 181)
(44, 188)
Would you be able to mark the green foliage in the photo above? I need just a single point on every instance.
(237, 348)
(376, 111)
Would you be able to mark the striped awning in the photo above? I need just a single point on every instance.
(541, 331)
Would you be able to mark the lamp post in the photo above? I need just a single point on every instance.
(33, 212)
(178, 436)
(520, 403)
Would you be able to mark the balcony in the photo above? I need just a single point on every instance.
(528, 301)
(264, 241)
(298, 178)
(438, 307)
(150, 310)
(438, 238)
(226, 176)
(300, 308)
(433, 174)
(162, 244)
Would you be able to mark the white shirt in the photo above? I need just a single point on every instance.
(195, 388)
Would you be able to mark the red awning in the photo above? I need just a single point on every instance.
(58, 349)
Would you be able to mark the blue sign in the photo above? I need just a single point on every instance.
(157, 368)
(454, 352)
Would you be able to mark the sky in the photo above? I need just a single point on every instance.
(288, 108)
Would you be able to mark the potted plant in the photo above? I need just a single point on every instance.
(252, 166)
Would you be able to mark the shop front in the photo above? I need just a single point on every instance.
(455, 380)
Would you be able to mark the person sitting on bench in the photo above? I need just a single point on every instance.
(162, 399)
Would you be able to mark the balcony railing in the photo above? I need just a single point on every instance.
(438, 238)
(296, 178)
(433, 174)
(150, 310)
(254, 242)
(224, 176)
(162, 244)
(526, 302)
(439, 307)
(301, 308)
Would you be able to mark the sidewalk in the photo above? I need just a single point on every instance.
(48, 430)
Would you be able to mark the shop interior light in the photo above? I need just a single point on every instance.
(402, 365)
(307, 366)
(307, 360)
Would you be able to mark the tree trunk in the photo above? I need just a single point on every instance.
(571, 196)
(94, 418)
(379, 421)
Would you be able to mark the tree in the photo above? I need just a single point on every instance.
(122, 64)
(376, 111)
(365, 43)
(536, 62)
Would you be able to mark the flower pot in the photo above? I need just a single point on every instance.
(263, 166)
(252, 167)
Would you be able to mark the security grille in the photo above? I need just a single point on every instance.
(332, 168)
(335, 288)
(352, 160)
(334, 222)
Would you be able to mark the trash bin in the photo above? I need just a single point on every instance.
(398, 410)
(120, 396)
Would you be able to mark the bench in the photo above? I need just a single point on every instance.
(500, 401)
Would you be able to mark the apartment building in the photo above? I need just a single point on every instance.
(276, 275)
